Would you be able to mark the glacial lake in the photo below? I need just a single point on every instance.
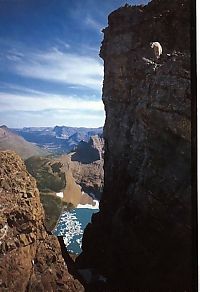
(71, 226)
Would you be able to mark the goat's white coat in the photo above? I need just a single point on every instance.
(156, 46)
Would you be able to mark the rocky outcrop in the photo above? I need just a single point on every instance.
(30, 258)
(87, 165)
(89, 176)
(142, 237)
(88, 152)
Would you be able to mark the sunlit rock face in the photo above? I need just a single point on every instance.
(142, 236)
(30, 258)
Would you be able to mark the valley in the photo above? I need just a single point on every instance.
(67, 180)
(112, 208)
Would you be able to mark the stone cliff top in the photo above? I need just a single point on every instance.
(163, 21)
(143, 232)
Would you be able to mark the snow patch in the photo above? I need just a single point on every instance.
(88, 206)
(59, 194)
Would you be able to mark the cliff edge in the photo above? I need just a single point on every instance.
(30, 258)
(142, 236)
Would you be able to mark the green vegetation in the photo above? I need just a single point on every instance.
(50, 179)
(47, 173)
(53, 207)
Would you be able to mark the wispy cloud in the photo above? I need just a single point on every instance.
(63, 43)
(57, 66)
(29, 107)
(38, 102)
(18, 89)
(92, 23)
(51, 118)
(12, 57)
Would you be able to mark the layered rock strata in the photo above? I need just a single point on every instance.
(142, 236)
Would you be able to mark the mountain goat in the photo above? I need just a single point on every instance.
(156, 46)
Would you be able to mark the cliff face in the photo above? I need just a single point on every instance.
(88, 152)
(142, 236)
(87, 165)
(30, 258)
(89, 176)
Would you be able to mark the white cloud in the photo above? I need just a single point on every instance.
(51, 118)
(40, 109)
(21, 89)
(61, 67)
(92, 23)
(64, 44)
(17, 102)
(25, 106)
(13, 57)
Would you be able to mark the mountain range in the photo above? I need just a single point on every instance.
(58, 139)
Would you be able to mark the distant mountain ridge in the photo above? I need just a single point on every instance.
(9, 140)
(58, 139)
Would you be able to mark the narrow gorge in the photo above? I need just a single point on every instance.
(142, 239)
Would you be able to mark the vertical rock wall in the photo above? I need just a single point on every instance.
(142, 236)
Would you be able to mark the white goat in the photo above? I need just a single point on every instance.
(156, 46)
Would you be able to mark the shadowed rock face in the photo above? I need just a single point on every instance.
(88, 152)
(143, 232)
(87, 165)
(30, 258)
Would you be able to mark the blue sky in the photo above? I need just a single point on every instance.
(50, 71)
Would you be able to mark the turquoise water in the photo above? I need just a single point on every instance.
(71, 226)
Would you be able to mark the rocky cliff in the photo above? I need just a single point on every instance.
(89, 176)
(88, 152)
(30, 258)
(142, 236)
(87, 165)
